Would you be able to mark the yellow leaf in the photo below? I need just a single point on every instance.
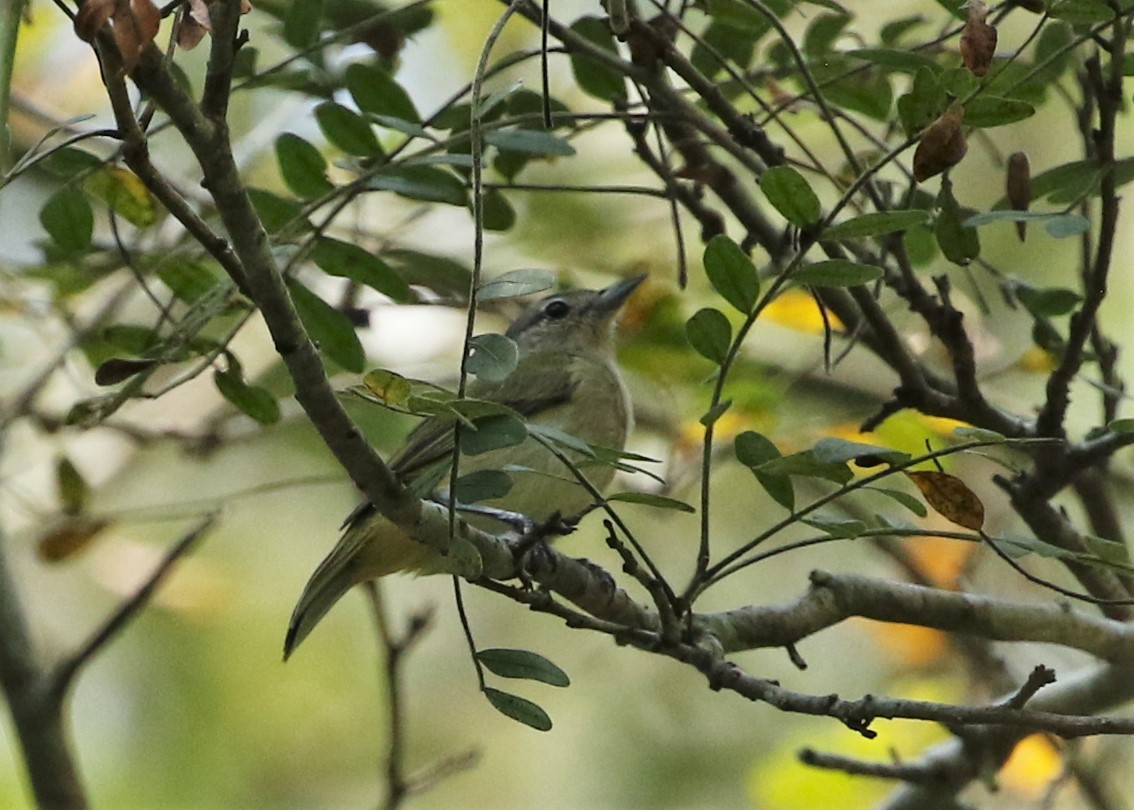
(390, 387)
(950, 497)
(910, 645)
(939, 559)
(1035, 763)
(796, 309)
(1036, 361)
(124, 192)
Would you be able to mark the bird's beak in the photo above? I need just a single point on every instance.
(613, 297)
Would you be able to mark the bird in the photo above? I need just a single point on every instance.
(566, 378)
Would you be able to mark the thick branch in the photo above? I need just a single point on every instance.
(37, 716)
(835, 598)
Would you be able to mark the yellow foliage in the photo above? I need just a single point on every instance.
(779, 780)
(1034, 764)
(1036, 361)
(796, 309)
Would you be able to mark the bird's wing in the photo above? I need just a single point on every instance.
(547, 382)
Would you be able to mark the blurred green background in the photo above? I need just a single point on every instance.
(191, 707)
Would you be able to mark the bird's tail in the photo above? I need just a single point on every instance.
(336, 575)
(372, 547)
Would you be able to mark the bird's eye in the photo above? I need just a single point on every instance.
(556, 309)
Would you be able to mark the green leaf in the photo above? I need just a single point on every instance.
(731, 273)
(869, 92)
(389, 387)
(1064, 225)
(876, 224)
(1121, 426)
(806, 465)
(124, 192)
(114, 370)
(974, 434)
(329, 328)
(895, 59)
(348, 260)
(515, 283)
(492, 357)
(988, 111)
(68, 219)
(188, 280)
(1049, 302)
(561, 438)
(441, 274)
(740, 15)
(918, 108)
(649, 499)
(821, 34)
(402, 125)
(499, 215)
(710, 333)
(958, 82)
(791, 195)
(729, 42)
(833, 450)
(375, 92)
(135, 340)
(346, 129)
(492, 433)
(528, 141)
(892, 31)
(1111, 552)
(277, 212)
(301, 23)
(753, 450)
(904, 498)
(482, 485)
(71, 487)
(303, 167)
(845, 529)
(519, 709)
(257, 402)
(593, 77)
(1081, 12)
(428, 183)
(714, 413)
(67, 162)
(836, 273)
(523, 664)
(959, 243)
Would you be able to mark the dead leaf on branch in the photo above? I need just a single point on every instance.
(133, 23)
(950, 497)
(978, 39)
(195, 23)
(942, 145)
(1019, 188)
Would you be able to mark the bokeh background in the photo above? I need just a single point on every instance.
(192, 707)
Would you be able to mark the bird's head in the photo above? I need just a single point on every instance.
(575, 322)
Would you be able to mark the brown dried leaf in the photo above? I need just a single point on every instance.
(134, 24)
(92, 16)
(978, 39)
(193, 25)
(950, 497)
(1019, 187)
(942, 145)
(69, 537)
